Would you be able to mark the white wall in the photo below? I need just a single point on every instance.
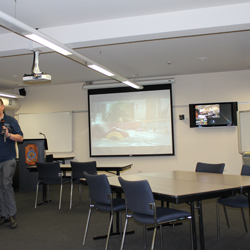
(212, 145)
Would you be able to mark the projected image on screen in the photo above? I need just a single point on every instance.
(131, 123)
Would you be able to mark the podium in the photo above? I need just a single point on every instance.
(30, 152)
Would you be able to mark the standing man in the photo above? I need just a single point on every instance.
(10, 133)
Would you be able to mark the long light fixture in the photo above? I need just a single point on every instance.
(131, 84)
(24, 30)
(48, 44)
(10, 95)
(101, 70)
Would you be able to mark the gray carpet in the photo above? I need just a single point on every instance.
(47, 227)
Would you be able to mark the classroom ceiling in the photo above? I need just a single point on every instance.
(215, 51)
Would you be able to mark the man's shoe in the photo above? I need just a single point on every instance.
(13, 222)
(3, 220)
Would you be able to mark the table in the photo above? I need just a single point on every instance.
(189, 187)
(62, 159)
(67, 167)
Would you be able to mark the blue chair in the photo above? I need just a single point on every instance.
(77, 169)
(49, 173)
(100, 196)
(210, 168)
(238, 201)
(140, 201)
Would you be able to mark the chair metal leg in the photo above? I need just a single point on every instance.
(124, 232)
(80, 194)
(48, 191)
(110, 225)
(87, 225)
(244, 220)
(120, 222)
(37, 187)
(60, 200)
(153, 240)
(71, 195)
(225, 211)
(144, 236)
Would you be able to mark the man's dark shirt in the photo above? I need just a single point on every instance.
(7, 148)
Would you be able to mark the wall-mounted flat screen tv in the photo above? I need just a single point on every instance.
(213, 114)
(128, 122)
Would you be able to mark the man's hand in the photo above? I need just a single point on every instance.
(6, 131)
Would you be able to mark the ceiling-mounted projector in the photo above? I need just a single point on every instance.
(42, 78)
(36, 76)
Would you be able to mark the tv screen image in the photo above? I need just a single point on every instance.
(213, 114)
(127, 122)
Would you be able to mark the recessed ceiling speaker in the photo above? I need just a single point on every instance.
(22, 92)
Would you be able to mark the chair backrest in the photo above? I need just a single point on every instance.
(48, 170)
(138, 195)
(49, 158)
(210, 168)
(99, 188)
(245, 170)
(79, 167)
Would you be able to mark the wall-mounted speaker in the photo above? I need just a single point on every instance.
(181, 117)
(22, 92)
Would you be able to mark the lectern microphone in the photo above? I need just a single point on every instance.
(42, 134)
(45, 144)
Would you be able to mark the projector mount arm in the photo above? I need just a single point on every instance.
(35, 67)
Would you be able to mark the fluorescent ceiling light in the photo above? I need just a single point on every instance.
(10, 95)
(48, 44)
(101, 70)
(133, 85)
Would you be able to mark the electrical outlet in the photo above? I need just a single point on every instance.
(139, 171)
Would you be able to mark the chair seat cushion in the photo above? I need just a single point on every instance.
(65, 179)
(163, 215)
(77, 181)
(236, 201)
(118, 205)
(53, 181)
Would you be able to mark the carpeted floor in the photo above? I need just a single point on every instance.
(48, 228)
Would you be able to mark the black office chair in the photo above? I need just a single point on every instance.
(100, 193)
(49, 173)
(238, 201)
(140, 201)
(77, 173)
(210, 168)
(49, 158)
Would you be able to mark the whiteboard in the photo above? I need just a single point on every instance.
(244, 131)
(56, 126)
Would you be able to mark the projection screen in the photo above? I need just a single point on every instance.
(128, 122)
